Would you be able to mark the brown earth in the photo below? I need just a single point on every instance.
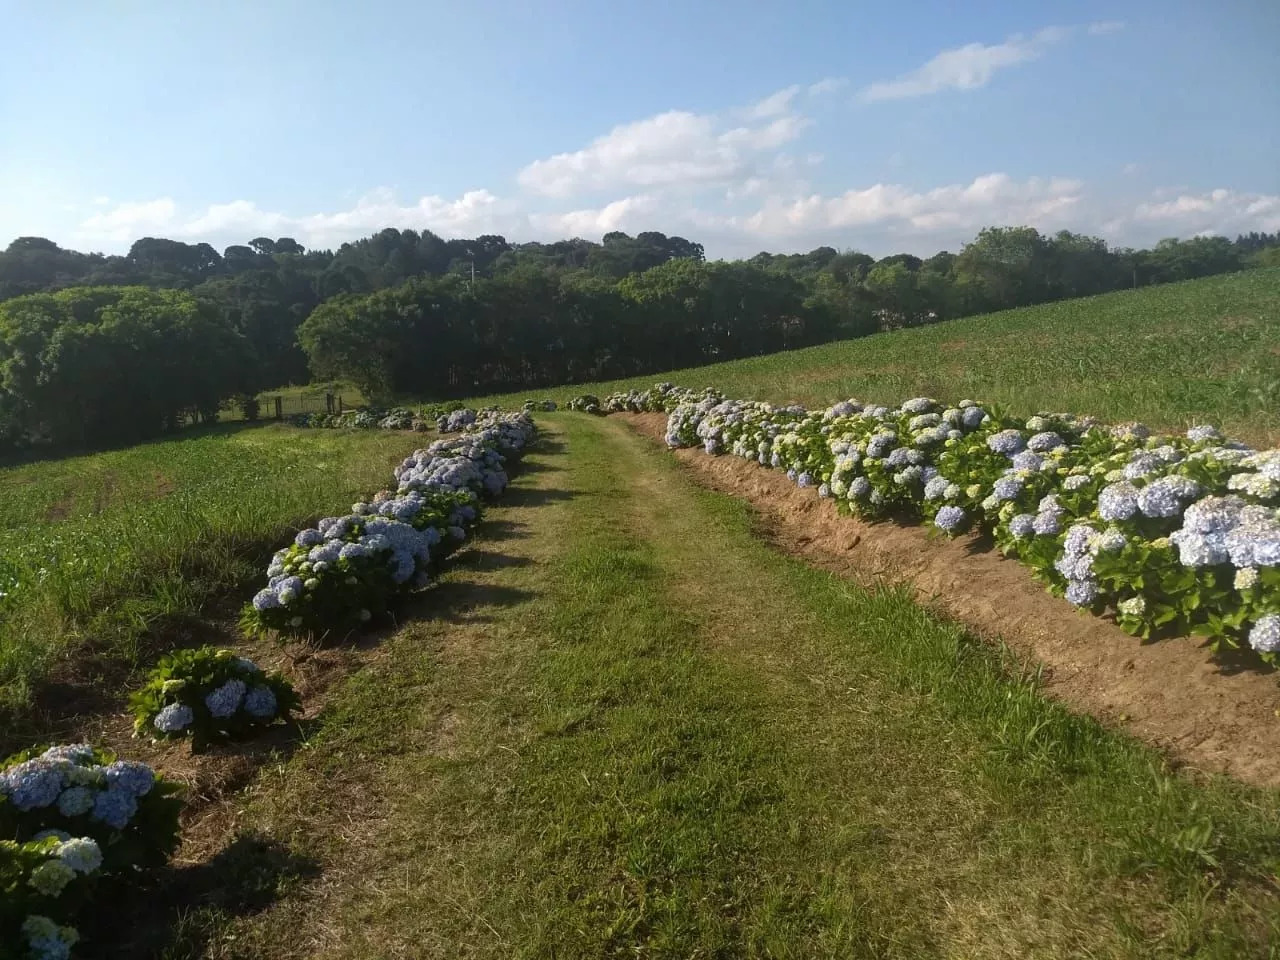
(1171, 694)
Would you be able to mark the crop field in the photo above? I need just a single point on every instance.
(594, 708)
(1200, 351)
(98, 549)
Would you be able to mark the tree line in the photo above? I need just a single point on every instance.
(105, 349)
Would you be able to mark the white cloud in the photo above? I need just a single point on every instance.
(1102, 27)
(474, 213)
(965, 68)
(1129, 169)
(775, 104)
(1222, 212)
(827, 85)
(994, 198)
(672, 148)
(630, 214)
(127, 222)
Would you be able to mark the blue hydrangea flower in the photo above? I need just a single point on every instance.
(859, 487)
(1119, 501)
(1007, 487)
(1200, 549)
(1047, 523)
(130, 775)
(1255, 542)
(1022, 526)
(936, 488)
(1164, 497)
(1082, 593)
(1027, 460)
(950, 519)
(75, 801)
(824, 490)
(972, 417)
(1007, 442)
(32, 784)
(115, 807)
(1265, 635)
(173, 718)
(265, 600)
(1044, 442)
(804, 479)
(308, 538)
(225, 701)
(1141, 465)
(1203, 434)
(260, 702)
(904, 457)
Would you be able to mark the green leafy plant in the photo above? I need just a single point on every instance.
(123, 805)
(210, 694)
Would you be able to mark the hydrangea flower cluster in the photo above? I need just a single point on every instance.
(585, 403)
(1174, 534)
(121, 804)
(347, 569)
(455, 420)
(43, 882)
(210, 694)
(367, 418)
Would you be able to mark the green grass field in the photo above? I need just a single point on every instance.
(95, 550)
(1201, 351)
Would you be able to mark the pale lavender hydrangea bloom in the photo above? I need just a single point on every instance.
(173, 718)
(1022, 526)
(1119, 501)
(1265, 635)
(950, 519)
(1007, 442)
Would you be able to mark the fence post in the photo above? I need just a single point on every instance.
(328, 403)
(279, 409)
(339, 403)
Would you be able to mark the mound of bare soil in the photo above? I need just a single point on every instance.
(1171, 693)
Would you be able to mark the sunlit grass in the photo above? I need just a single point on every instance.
(95, 549)
(1172, 355)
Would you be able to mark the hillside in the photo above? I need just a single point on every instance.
(1203, 350)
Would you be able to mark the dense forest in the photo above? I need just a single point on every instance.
(105, 349)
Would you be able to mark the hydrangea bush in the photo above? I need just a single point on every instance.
(367, 418)
(210, 694)
(1170, 534)
(545, 406)
(346, 570)
(586, 403)
(129, 811)
(44, 883)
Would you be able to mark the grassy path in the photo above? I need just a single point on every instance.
(642, 733)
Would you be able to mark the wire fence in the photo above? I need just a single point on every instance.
(282, 406)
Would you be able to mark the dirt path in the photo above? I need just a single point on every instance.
(649, 734)
(1169, 694)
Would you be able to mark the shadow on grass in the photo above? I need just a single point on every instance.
(182, 910)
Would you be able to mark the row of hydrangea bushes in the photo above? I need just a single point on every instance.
(365, 418)
(74, 815)
(1170, 535)
(71, 817)
(347, 570)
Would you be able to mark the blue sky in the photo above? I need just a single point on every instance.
(746, 126)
